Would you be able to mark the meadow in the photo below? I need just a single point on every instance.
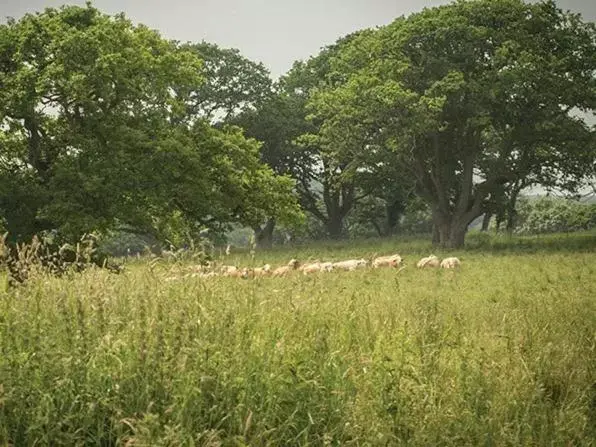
(499, 352)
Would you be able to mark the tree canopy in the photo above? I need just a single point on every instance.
(328, 181)
(105, 124)
(232, 83)
(96, 133)
(469, 98)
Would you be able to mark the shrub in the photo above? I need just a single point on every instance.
(551, 215)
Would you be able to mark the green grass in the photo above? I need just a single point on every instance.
(501, 352)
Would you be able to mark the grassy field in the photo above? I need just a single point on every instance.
(500, 352)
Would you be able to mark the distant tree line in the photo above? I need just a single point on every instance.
(425, 124)
(553, 215)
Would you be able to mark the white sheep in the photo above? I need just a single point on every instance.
(233, 271)
(228, 270)
(450, 263)
(258, 271)
(313, 267)
(350, 265)
(429, 261)
(283, 270)
(387, 261)
(326, 266)
(244, 273)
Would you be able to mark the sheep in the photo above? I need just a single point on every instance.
(316, 266)
(229, 270)
(430, 261)
(326, 266)
(260, 271)
(313, 267)
(283, 270)
(234, 272)
(201, 268)
(310, 262)
(244, 273)
(350, 265)
(450, 263)
(387, 261)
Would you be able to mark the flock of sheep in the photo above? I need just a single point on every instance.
(294, 265)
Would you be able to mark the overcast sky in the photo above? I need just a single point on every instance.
(275, 32)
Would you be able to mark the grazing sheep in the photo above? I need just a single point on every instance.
(282, 271)
(228, 270)
(387, 261)
(310, 262)
(260, 271)
(326, 266)
(450, 263)
(244, 273)
(201, 268)
(234, 272)
(430, 261)
(350, 265)
(311, 268)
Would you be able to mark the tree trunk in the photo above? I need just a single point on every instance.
(393, 213)
(457, 235)
(511, 212)
(444, 233)
(450, 230)
(335, 225)
(511, 218)
(436, 235)
(498, 221)
(441, 228)
(264, 236)
(486, 221)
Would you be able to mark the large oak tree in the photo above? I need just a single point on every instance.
(96, 133)
(471, 97)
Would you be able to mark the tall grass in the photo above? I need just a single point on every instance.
(501, 352)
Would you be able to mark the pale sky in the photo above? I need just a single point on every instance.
(275, 32)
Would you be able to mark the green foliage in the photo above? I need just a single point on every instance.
(497, 353)
(417, 218)
(122, 243)
(97, 133)
(467, 98)
(276, 123)
(327, 181)
(233, 84)
(366, 219)
(552, 215)
(49, 255)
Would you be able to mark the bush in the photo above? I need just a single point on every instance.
(552, 215)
